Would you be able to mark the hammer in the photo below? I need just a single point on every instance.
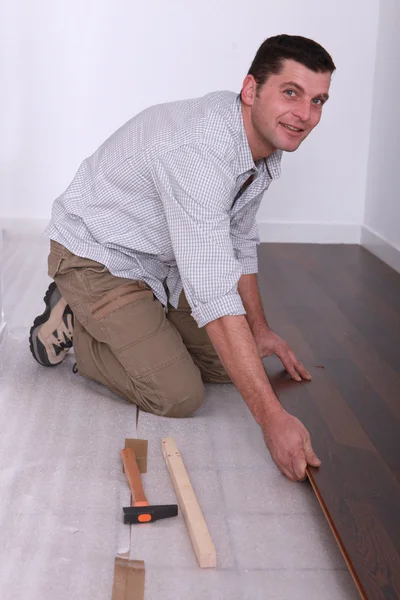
(141, 511)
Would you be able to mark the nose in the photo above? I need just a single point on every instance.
(302, 110)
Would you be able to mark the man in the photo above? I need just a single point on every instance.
(153, 248)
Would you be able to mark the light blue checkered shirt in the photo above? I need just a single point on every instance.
(161, 201)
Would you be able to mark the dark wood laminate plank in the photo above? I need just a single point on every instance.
(351, 412)
(324, 313)
(361, 303)
(350, 480)
(375, 273)
(371, 271)
(396, 473)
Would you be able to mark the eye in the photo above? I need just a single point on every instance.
(318, 101)
(290, 93)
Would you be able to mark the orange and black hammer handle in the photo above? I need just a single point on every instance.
(141, 512)
(133, 476)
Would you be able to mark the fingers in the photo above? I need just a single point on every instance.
(287, 473)
(296, 370)
(296, 470)
(294, 465)
(302, 370)
(288, 361)
(299, 465)
(310, 456)
(292, 371)
(290, 446)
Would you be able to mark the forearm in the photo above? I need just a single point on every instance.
(237, 350)
(250, 295)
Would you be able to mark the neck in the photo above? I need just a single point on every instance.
(258, 147)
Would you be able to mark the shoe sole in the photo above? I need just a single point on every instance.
(52, 297)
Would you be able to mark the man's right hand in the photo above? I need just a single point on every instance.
(286, 437)
(289, 444)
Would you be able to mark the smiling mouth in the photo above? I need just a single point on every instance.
(291, 128)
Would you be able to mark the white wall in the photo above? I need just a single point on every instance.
(382, 207)
(2, 323)
(75, 71)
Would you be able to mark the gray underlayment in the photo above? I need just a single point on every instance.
(62, 488)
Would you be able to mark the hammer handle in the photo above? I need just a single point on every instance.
(133, 476)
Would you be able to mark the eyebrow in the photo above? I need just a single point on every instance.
(300, 89)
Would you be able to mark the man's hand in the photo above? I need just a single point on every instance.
(269, 343)
(287, 439)
(289, 444)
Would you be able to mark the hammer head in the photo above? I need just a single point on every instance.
(147, 514)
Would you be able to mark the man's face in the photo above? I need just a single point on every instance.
(285, 109)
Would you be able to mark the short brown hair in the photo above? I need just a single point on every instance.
(274, 51)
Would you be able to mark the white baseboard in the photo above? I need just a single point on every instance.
(270, 231)
(309, 233)
(381, 247)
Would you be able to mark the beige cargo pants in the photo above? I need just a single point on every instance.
(124, 339)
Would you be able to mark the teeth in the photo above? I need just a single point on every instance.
(290, 127)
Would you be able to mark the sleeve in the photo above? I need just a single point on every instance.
(195, 185)
(244, 235)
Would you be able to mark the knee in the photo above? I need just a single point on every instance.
(187, 404)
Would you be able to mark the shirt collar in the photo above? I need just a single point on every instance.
(273, 164)
(246, 162)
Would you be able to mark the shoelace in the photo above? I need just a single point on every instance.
(67, 332)
(63, 345)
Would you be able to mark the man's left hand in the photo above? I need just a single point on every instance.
(269, 343)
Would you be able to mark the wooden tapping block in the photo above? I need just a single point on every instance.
(140, 448)
(197, 528)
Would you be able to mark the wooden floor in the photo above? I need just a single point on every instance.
(339, 308)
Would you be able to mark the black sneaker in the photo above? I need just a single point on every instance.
(50, 337)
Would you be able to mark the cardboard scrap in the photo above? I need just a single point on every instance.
(129, 579)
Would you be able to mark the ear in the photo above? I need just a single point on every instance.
(249, 90)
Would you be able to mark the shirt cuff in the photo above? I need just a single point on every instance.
(248, 265)
(230, 304)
